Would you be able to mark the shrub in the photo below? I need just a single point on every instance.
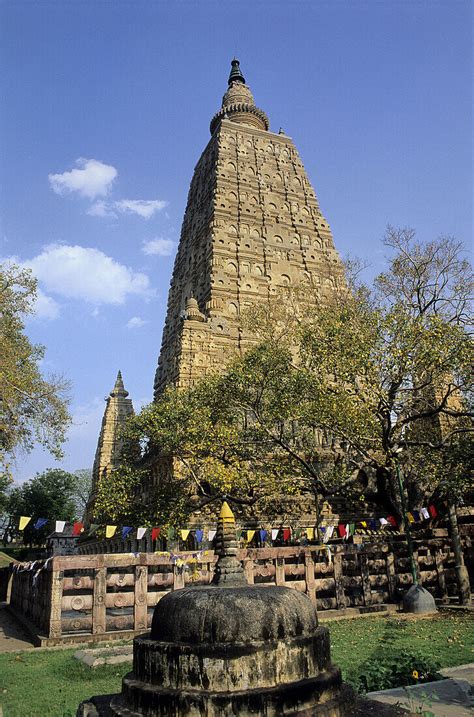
(396, 669)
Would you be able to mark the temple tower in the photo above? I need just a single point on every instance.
(109, 446)
(252, 226)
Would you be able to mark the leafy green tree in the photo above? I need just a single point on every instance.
(373, 378)
(49, 495)
(33, 409)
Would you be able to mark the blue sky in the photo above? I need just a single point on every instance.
(106, 109)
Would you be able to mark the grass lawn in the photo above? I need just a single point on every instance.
(51, 683)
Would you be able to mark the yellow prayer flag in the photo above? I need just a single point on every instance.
(410, 517)
(363, 523)
(310, 533)
(250, 534)
(24, 520)
(110, 531)
(184, 534)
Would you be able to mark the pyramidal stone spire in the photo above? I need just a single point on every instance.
(109, 446)
(252, 227)
(228, 570)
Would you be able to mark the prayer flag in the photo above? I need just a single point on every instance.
(263, 535)
(410, 517)
(211, 535)
(250, 534)
(363, 523)
(373, 524)
(199, 535)
(184, 534)
(126, 530)
(40, 523)
(347, 530)
(352, 528)
(140, 533)
(424, 513)
(77, 528)
(286, 534)
(383, 521)
(171, 533)
(59, 526)
(416, 515)
(329, 533)
(433, 511)
(110, 531)
(92, 528)
(275, 532)
(24, 520)
(392, 521)
(310, 533)
(155, 533)
(342, 530)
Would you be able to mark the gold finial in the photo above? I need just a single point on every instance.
(226, 513)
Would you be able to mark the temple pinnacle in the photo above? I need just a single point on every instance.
(235, 73)
(119, 388)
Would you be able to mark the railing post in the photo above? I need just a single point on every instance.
(178, 577)
(391, 576)
(99, 620)
(439, 561)
(55, 599)
(364, 572)
(280, 571)
(249, 571)
(141, 590)
(339, 586)
(310, 577)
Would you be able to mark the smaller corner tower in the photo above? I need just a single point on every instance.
(109, 446)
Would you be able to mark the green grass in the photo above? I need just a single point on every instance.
(51, 683)
(447, 638)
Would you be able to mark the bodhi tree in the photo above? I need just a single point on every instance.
(33, 409)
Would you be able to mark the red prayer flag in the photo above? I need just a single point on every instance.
(342, 530)
(155, 532)
(392, 521)
(433, 512)
(286, 534)
(77, 528)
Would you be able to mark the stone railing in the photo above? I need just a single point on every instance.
(72, 598)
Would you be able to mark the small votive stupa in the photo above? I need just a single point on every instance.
(230, 648)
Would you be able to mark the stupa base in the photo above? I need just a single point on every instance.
(323, 696)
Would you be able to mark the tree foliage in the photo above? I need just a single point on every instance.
(378, 375)
(33, 409)
(49, 495)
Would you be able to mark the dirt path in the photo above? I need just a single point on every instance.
(12, 635)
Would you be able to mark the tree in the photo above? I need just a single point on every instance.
(49, 495)
(33, 409)
(82, 489)
(372, 379)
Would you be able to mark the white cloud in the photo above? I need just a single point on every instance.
(143, 207)
(77, 272)
(45, 307)
(90, 179)
(135, 323)
(101, 209)
(158, 247)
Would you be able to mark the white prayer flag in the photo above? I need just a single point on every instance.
(328, 533)
(347, 531)
(60, 524)
(383, 521)
(211, 535)
(424, 513)
(140, 533)
(275, 532)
